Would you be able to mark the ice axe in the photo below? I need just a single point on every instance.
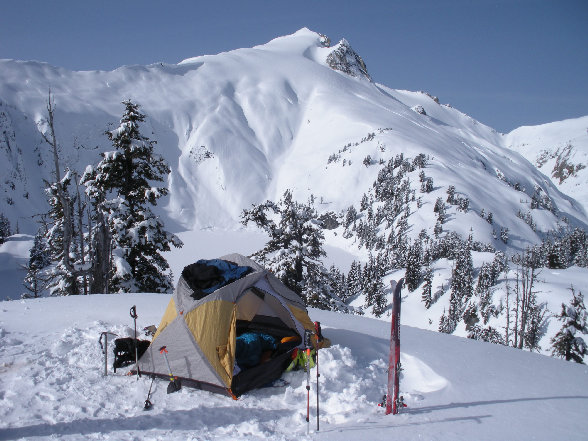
(174, 382)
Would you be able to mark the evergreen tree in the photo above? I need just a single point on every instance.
(446, 324)
(320, 290)
(374, 287)
(489, 334)
(4, 228)
(568, 343)
(295, 247)
(427, 295)
(339, 285)
(486, 279)
(470, 315)
(121, 186)
(39, 260)
(504, 235)
(461, 278)
(536, 327)
(350, 217)
(63, 278)
(451, 195)
(413, 272)
(354, 279)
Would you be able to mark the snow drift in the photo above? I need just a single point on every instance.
(52, 384)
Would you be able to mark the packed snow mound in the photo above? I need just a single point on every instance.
(419, 377)
(52, 384)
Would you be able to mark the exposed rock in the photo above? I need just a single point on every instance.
(346, 60)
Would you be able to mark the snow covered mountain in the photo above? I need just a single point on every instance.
(296, 113)
(560, 150)
(243, 126)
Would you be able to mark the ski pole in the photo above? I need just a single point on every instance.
(307, 343)
(105, 348)
(174, 383)
(319, 338)
(134, 316)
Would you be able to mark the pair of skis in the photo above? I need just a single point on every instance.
(393, 401)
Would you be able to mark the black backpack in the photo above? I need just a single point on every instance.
(124, 351)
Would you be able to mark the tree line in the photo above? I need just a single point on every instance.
(380, 224)
(100, 234)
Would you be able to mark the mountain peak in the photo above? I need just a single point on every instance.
(343, 58)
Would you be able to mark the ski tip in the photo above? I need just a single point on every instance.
(395, 283)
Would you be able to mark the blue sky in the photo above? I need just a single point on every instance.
(506, 63)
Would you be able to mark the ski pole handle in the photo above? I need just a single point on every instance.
(318, 332)
(163, 349)
(133, 312)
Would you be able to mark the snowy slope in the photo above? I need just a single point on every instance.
(14, 254)
(243, 126)
(52, 385)
(560, 150)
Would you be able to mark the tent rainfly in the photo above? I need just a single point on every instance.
(230, 326)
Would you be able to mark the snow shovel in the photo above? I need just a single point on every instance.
(174, 382)
(148, 404)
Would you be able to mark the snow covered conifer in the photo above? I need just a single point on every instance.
(427, 296)
(39, 260)
(295, 247)
(63, 276)
(451, 194)
(354, 278)
(413, 265)
(124, 178)
(463, 271)
(373, 286)
(4, 228)
(568, 343)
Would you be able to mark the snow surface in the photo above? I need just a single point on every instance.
(52, 384)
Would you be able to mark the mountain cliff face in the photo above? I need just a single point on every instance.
(243, 126)
(560, 150)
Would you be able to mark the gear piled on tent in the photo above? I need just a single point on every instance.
(230, 326)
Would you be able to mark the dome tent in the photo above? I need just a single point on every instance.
(213, 304)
